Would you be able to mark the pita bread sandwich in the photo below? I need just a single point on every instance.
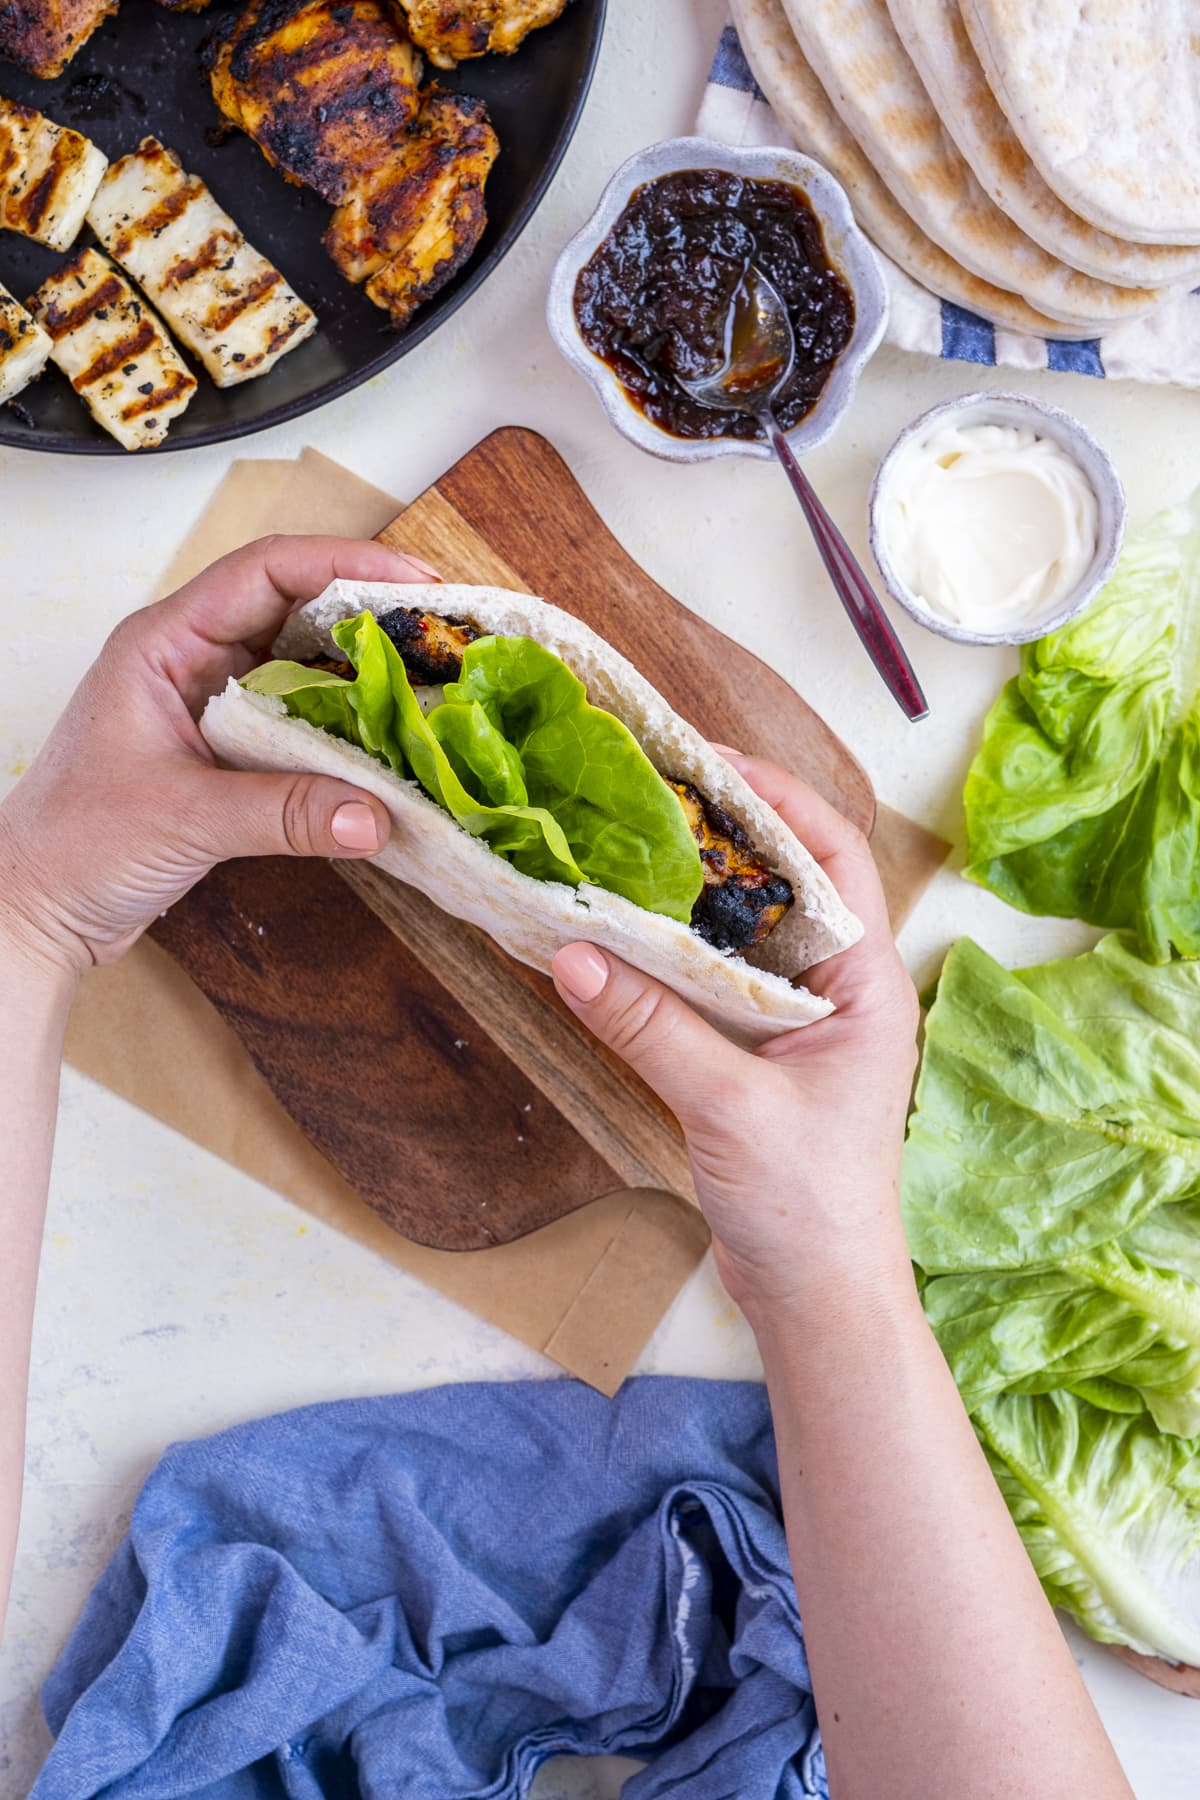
(541, 789)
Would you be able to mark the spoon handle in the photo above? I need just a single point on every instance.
(853, 589)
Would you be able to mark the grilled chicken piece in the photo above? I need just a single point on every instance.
(449, 31)
(41, 36)
(324, 87)
(413, 222)
(24, 347)
(230, 307)
(48, 175)
(742, 901)
(430, 647)
(113, 350)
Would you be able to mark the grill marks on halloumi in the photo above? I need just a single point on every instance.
(24, 347)
(229, 305)
(48, 175)
(113, 350)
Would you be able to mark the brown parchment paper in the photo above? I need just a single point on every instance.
(586, 1291)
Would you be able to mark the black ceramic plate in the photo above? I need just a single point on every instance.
(140, 74)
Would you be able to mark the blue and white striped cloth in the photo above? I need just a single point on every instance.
(1164, 346)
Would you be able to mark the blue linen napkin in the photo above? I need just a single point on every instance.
(427, 1596)
(1162, 347)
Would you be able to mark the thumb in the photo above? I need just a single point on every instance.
(676, 1052)
(290, 815)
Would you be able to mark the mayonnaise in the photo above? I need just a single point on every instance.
(988, 525)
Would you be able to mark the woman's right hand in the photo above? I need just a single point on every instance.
(795, 1147)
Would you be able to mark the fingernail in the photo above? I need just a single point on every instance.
(582, 970)
(354, 827)
(423, 567)
(728, 750)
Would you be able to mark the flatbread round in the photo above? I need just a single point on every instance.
(750, 1000)
(802, 107)
(936, 39)
(1105, 97)
(857, 55)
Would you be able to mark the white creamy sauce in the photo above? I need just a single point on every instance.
(989, 525)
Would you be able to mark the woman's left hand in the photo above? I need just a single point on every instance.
(124, 809)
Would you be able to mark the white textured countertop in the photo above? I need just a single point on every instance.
(177, 1296)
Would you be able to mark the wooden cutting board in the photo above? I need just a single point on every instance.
(444, 1081)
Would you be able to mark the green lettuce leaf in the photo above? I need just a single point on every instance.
(1169, 1237)
(1105, 1316)
(1108, 1507)
(516, 754)
(1051, 1191)
(1084, 797)
(1056, 1108)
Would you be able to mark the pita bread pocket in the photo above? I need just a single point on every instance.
(803, 108)
(935, 37)
(546, 789)
(1104, 95)
(867, 74)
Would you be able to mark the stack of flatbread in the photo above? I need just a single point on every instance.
(1037, 163)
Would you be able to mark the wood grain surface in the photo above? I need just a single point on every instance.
(394, 1081)
(444, 1081)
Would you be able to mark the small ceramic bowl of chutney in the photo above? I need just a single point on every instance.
(646, 293)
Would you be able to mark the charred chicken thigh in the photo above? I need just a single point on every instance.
(324, 87)
(328, 91)
(450, 31)
(41, 36)
(412, 223)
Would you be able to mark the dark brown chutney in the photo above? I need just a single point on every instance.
(655, 299)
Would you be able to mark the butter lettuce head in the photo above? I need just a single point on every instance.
(1109, 1511)
(515, 753)
(1084, 797)
(1051, 1193)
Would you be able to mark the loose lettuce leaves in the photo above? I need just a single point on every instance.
(517, 755)
(1109, 1511)
(1104, 1317)
(1051, 1192)
(1084, 797)
(1057, 1107)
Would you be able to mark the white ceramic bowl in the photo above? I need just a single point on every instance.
(845, 246)
(1047, 422)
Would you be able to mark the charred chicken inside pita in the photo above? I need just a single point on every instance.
(742, 900)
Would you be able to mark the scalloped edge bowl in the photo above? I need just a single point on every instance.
(848, 250)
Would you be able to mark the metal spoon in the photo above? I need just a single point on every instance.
(761, 349)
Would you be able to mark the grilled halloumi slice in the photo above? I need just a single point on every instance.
(48, 175)
(230, 307)
(24, 347)
(113, 350)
